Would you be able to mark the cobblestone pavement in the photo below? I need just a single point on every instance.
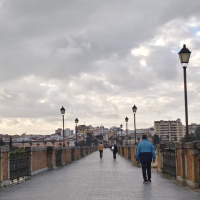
(94, 178)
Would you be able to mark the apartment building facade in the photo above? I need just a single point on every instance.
(171, 130)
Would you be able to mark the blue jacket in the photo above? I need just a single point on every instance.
(145, 151)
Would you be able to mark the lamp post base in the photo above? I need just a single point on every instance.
(187, 138)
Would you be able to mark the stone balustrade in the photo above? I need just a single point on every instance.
(40, 159)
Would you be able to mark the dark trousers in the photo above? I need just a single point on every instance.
(101, 153)
(146, 170)
(114, 155)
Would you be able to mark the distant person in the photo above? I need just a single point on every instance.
(145, 152)
(115, 150)
(101, 150)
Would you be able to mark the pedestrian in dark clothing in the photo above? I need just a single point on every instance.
(115, 150)
(145, 153)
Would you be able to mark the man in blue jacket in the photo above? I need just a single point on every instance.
(145, 152)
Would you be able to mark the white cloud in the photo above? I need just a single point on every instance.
(141, 51)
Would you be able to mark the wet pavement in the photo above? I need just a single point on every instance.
(93, 178)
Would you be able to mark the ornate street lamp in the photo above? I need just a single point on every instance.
(184, 56)
(76, 122)
(134, 108)
(62, 110)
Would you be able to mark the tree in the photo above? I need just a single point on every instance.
(99, 137)
(23, 142)
(53, 142)
(156, 139)
(30, 143)
(2, 142)
(197, 133)
(45, 143)
(138, 139)
(38, 144)
(10, 144)
(182, 139)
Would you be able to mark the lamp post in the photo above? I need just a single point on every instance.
(134, 108)
(121, 126)
(62, 110)
(126, 120)
(76, 122)
(118, 135)
(83, 126)
(184, 56)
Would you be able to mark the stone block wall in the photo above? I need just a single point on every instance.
(77, 152)
(133, 152)
(84, 151)
(159, 157)
(4, 166)
(178, 162)
(188, 158)
(64, 151)
(68, 156)
(39, 160)
(126, 152)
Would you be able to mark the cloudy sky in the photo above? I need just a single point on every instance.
(97, 59)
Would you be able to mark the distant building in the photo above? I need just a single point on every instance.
(172, 129)
(58, 131)
(67, 132)
(192, 127)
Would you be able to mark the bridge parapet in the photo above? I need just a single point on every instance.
(183, 162)
(39, 160)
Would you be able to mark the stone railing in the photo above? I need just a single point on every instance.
(128, 152)
(187, 157)
(40, 159)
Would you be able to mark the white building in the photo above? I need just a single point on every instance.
(171, 130)
(68, 132)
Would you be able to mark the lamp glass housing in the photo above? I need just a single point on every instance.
(126, 119)
(121, 126)
(134, 108)
(184, 55)
(62, 110)
(76, 120)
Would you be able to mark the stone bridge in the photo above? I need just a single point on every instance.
(91, 178)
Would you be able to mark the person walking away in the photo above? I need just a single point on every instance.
(145, 152)
(115, 150)
(100, 148)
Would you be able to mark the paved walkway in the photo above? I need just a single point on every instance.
(93, 178)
